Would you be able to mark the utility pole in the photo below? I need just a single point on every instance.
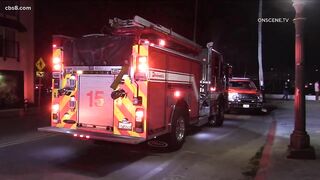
(261, 80)
(299, 147)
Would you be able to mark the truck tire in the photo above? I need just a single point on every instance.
(217, 119)
(177, 135)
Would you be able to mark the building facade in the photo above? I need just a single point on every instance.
(16, 53)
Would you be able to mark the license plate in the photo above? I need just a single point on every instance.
(126, 125)
(246, 106)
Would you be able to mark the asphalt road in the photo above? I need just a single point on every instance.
(209, 153)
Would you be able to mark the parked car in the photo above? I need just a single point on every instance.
(243, 94)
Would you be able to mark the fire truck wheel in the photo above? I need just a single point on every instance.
(178, 133)
(217, 119)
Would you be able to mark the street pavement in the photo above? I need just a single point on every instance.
(19, 121)
(209, 153)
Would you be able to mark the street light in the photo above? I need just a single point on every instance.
(299, 147)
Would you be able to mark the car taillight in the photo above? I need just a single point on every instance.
(141, 68)
(139, 118)
(213, 89)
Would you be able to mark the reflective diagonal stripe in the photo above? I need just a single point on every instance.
(118, 117)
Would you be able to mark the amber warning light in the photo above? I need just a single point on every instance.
(56, 58)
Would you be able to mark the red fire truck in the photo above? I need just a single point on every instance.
(135, 84)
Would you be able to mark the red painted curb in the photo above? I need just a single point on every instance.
(266, 153)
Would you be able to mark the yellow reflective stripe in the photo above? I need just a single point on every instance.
(144, 102)
(128, 105)
(119, 116)
(133, 89)
(132, 133)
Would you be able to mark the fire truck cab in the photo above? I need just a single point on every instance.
(140, 82)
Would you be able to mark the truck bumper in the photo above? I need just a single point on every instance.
(244, 105)
(95, 135)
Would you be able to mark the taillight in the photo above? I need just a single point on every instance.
(55, 113)
(55, 108)
(139, 117)
(212, 89)
(141, 68)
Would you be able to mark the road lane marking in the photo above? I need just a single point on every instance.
(24, 139)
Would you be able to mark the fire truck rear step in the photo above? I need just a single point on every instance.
(95, 135)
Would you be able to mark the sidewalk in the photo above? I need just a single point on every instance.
(274, 164)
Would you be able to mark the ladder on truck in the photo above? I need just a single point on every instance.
(143, 26)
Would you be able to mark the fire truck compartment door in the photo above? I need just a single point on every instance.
(95, 102)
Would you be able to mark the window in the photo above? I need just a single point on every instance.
(9, 47)
(242, 85)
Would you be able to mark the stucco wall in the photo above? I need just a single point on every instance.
(26, 40)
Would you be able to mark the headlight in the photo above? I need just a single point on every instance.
(233, 96)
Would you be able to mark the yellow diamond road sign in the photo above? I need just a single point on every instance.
(40, 64)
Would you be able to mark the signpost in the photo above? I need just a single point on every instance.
(40, 65)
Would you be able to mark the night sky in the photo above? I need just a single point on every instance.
(230, 24)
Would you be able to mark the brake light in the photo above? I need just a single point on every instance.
(55, 113)
(139, 117)
(55, 108)
(141, 68)
(212, 89)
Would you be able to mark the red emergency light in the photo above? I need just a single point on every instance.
(141, 68)
(177, 94)
(56, 58)
(162, 42)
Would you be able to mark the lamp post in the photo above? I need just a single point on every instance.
(299, 147)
